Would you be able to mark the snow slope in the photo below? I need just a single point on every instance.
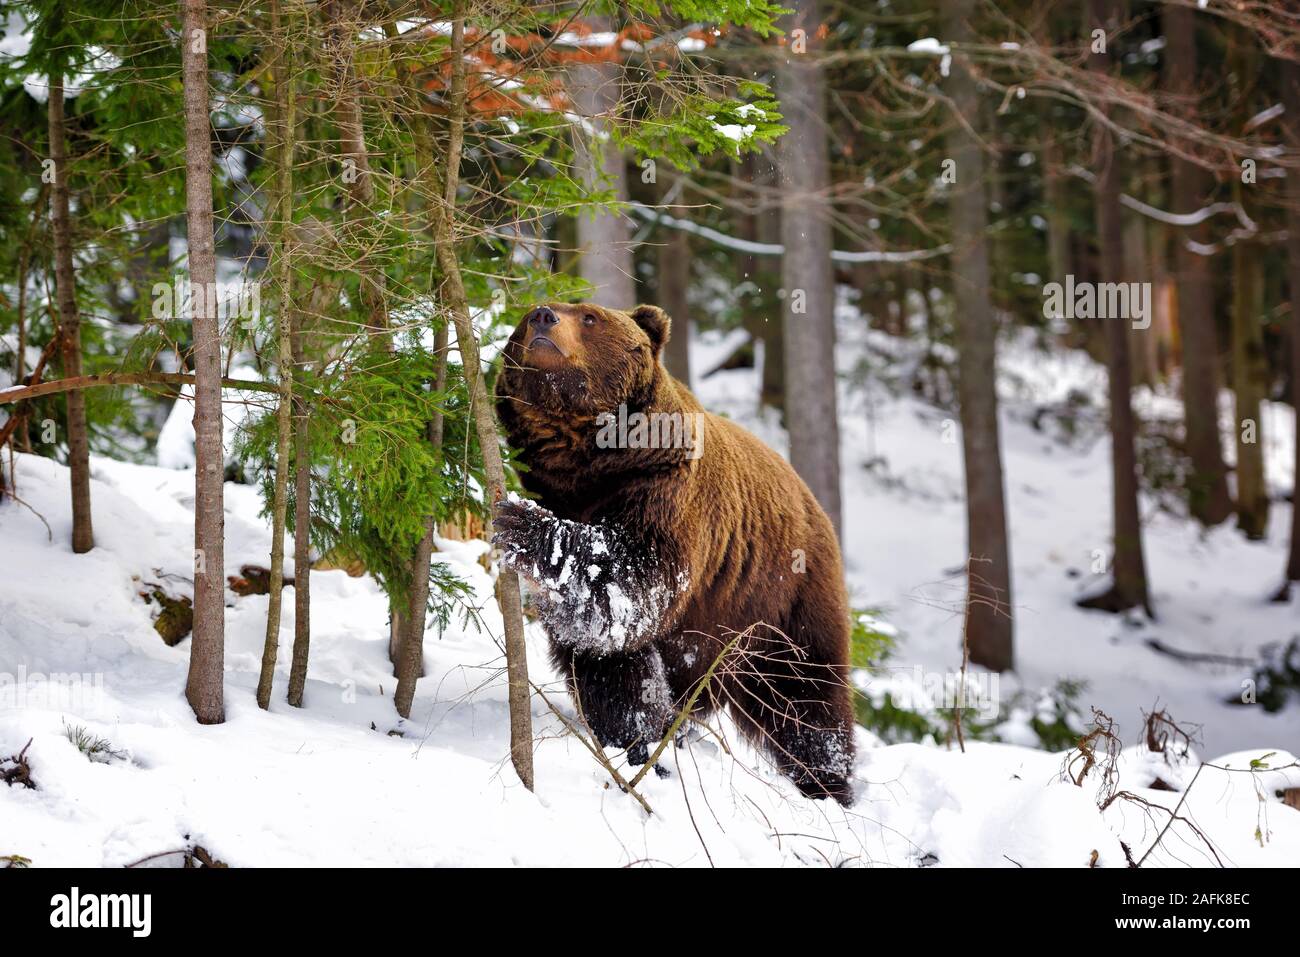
(328, 783)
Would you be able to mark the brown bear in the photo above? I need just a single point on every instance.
(659, 533)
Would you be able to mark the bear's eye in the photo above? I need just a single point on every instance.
(589, 320)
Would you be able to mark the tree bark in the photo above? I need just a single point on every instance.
(762, 312)
(301, 534)
(1250, 383)
(1162, 347)
(806, 271)
(485, 425)
(770, 324)
(406, 646)
(69, 331)
(1208, 487)
(207, 646)
(399, 625)
(1137, 268)
(411, 661)
(674, 279)
(341, 26)
(284, 149)
(1291, 122)
(605, 238)
(1129, 583)
(408, 625)
(989, 624)
(1058, 219)
(23, 438)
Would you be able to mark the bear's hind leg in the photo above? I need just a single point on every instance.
(801, 713)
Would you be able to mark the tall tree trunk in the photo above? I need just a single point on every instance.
(1162, 303)
(1291, 97)
(207, 646)
(343, 20)
(22, 439)
(1129, 582)
(674, 279)
(1137, 268)
(989, 624)
(806, 270)
(301, 534)
(1208, 486)
(767, 273)
(411, 662)
(1058, 220)
(342, 25)
(408, 627)
(410, 665)
(285, 123)
(406, 649)
(69, 332)
(762, 308)
(485, 425)
(604, 239)
(1249, 381)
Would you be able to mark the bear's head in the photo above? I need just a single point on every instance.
(583, 359)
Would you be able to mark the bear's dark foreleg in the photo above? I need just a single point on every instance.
(595, 588)
(623, 698)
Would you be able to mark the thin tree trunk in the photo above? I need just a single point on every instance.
(1137, 268)
(1208, 486)
(399, 625)
(21, 436)
(989, 624)
(341, 26)
(766, 272)
(1058, 220)
(284, 148)
(20, 354)
(902, 277)
(411, 662)
(1162, 303)
(674, 279)
(69, 332)
(809, 281)
(207, 646)
(604, 239)
(485, 425)
(761, 308)
(407, 625)
(1291, 97)
(1129, 584)
(1249, 381)
(301, 535)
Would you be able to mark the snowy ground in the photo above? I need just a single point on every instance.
(328, 784)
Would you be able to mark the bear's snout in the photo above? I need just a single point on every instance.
(550, 337)
(543, 317)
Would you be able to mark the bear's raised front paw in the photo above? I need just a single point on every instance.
(519, 530)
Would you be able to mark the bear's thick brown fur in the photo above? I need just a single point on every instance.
(646, 561)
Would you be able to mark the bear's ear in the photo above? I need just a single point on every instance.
(656, 324)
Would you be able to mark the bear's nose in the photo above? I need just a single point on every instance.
(543, 317)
